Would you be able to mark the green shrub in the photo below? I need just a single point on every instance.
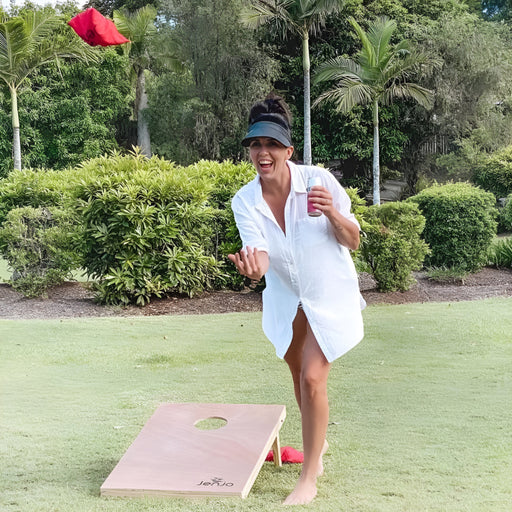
(358, 205)
(148, 230)
(150, 227)
(505, 216)
(38, 246)
(30, 188)
(359, 209)
(391, 244)
(460, 225)
(500, 253)
(495, 175)
(446, 275)
(226, 179)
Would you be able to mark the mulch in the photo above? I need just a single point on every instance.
(73, 299)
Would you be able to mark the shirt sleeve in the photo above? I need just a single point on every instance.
(341, 199)
(250, 232)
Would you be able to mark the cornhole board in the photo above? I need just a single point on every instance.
(171, 456)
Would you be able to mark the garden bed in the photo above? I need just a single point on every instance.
(74, 299)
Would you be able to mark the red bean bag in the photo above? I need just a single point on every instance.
(288, 454)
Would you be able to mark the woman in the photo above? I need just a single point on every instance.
(311, 303)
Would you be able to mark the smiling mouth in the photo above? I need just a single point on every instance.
(265, 164)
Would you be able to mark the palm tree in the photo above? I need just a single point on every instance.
(301, 17)
(28, 42)
(139, 27)
(380, 73)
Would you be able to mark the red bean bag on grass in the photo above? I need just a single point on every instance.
(288, 455)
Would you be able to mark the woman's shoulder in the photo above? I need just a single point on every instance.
(247, 191)
(314, 170)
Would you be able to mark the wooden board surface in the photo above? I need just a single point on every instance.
(173, 457)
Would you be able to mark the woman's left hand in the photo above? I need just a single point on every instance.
(321, 199)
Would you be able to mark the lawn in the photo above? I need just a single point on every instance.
(420, 410)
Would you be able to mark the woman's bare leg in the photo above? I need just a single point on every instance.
(312, 398)
(293, 356)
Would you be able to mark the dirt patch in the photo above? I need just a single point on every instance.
(77, 300)
(488, 282)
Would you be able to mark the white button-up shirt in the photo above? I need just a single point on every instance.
(307, 264)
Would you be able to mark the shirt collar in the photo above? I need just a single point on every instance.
(297, 179)
(297, 185)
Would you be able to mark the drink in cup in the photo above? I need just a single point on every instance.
(312, 211)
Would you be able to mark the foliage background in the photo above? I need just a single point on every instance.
(73, 113)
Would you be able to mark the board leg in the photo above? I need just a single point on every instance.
(276, 449)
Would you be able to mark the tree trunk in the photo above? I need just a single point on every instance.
(141, 99)
(376, 166)
(307, 99)
(16, 145)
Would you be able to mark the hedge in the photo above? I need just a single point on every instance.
(495, 174)
(460, 225)
(391, 244)
(38, 243)
(147, 226)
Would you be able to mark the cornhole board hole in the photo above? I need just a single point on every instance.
(173, 456)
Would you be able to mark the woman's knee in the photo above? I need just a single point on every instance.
(313, 383)
(315, 369)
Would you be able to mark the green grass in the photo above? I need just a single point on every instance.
(420, 410)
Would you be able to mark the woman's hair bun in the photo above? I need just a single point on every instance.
(272, 104)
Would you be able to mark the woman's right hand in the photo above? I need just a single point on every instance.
(250, 263)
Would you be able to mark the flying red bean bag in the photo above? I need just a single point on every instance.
(95, 29)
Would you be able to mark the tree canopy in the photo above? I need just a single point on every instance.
(201, 111)
(28, 42)
(380, 73)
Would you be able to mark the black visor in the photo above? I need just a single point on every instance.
(267, 126)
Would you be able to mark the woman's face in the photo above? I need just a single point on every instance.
(269, 156)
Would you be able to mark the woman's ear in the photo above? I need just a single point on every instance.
(290, 150)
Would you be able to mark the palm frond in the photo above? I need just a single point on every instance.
(336, 69)
(314, 13)
(137, 26)
(407, 90)
(33, 40)
(168, 52)
(3, 43)
(379, 36)
(404, 67)
(286, 16)
(16, 44)
(325, 6)
(48, 51)
(379, 71)
(40, 25)
(275, 12)
(347, 94)
(366, 55)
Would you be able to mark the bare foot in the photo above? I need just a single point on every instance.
(304, 493)
(320, 471)
(305, 490)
